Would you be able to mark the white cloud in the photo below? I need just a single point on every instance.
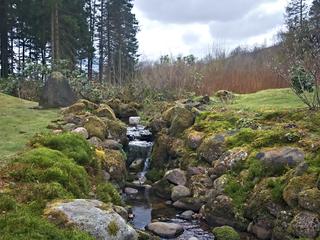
(193, 26)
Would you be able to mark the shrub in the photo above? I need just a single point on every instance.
(155, 174)
(107, 193)
(72, 145)
(113, 228)
(7, 203)
(277, 187)
(44, 165)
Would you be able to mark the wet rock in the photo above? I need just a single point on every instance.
(176, 176)
(310, 199)
(139, 132)
(194, 139)
(95, 127)
(139, 149)
(228, 161)
(279, 159)
(225, 233)
(187, 215)
(212, 148)
(179, 192)
(305, 225)
(131, 191)
(105, 111)
(165, 230)
(81, 131)
(134, 121)
(91, 216)
(137, 165)
(57, 92)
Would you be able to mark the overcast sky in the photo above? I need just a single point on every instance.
(195, 26)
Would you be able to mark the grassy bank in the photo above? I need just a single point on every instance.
(19, 122)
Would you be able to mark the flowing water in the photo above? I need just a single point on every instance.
(145, 206)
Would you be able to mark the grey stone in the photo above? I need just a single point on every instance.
(57, 92)
(187, 215)
(91, 216)
(176, 176)
(165, 230)
(179, 192)
(81, 131)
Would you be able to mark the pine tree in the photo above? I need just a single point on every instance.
(4, 31)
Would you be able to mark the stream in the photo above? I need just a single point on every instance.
(145, 206)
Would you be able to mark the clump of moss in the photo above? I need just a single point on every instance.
(244, 137)
(155, 174)
(23, 224)
(107, 193)
(44, 165)
(96, 127)
(277, 186)
(215, 121)
(225, 233)
(72, 145)
(113, 228)
(7, 203)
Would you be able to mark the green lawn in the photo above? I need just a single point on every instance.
(18, 123)
(274, 99)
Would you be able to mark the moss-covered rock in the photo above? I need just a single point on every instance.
(76, 108)
(115, 165)
(179, 119)
(295, 186)
(105, 111)
(194, 139)
(225, 233)
(310, 199)
(95, 127)
(305, 225)
(160, 152)
(200, 185)
(212, 148)
(47, 174)
(116, 130)
(89, 105)
(163, 188)
(72, 145)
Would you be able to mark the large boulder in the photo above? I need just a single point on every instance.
(194, 139)
(165, 230)
(160, 151)
(57, 92)
(277, 160)
(91, 216)
(116, 130)
(163, 189)
(212, 148)
(305, 225)
(179, 119)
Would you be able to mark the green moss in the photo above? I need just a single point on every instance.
(107, 193)
(215, 121)
(155, 174)
(244, 137)
(113, 228)
(72, 145)
(44, 165)
(24, 225)
(225, 233)
(96, 127)
(277, 186)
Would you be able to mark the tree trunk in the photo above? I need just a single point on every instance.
(55, 38)
(4, 38)
(101, 41)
